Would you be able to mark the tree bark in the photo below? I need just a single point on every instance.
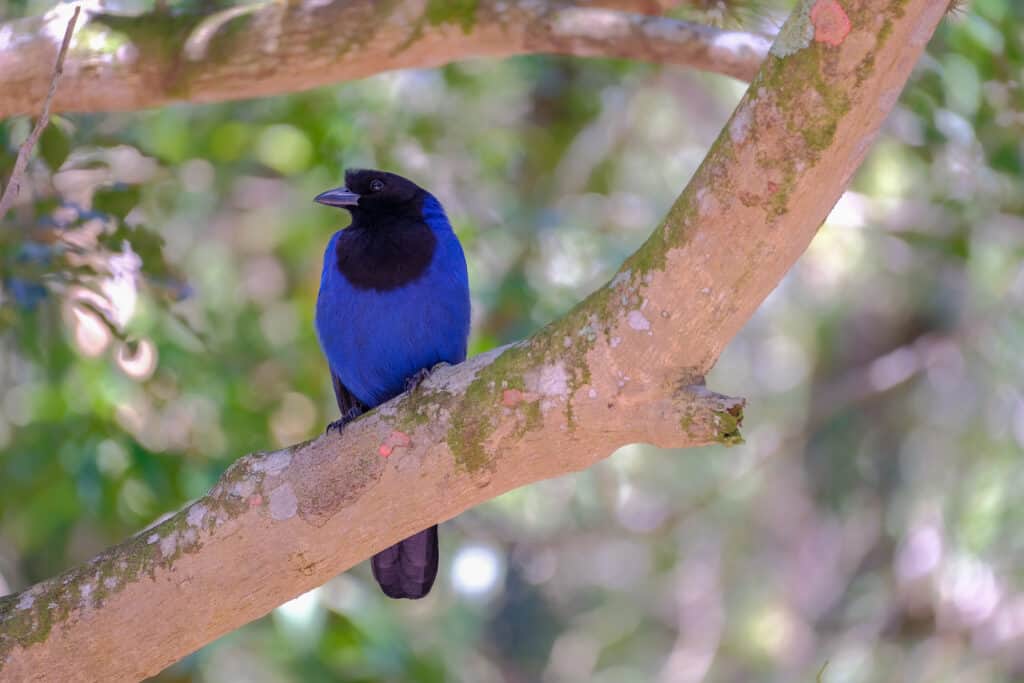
(625, 365)
(129, 62)
(120, 63)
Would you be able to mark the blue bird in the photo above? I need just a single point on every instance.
(393, 303)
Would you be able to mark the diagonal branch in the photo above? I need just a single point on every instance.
(267, 48)
(625, 365)
(14, 183)
(289, 520)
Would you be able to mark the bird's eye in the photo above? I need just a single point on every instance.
(376, 185)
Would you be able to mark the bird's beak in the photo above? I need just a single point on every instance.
(339, 196)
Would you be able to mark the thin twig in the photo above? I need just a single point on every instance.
(14, 184)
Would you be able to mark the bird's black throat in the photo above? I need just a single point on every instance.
(385, 252)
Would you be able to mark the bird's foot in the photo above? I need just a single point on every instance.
(339, 424)
(417, 378)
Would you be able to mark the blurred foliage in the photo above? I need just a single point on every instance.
(156, 297)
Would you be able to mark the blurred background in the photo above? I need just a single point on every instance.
(156, 302)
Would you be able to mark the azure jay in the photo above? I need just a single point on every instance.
(393, 303)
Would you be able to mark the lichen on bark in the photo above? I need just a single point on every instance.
(28, 617)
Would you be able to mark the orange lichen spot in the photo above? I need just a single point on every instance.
(831, 23)
(394, 440)
(255, 499)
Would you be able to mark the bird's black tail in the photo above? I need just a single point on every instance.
(408, 568)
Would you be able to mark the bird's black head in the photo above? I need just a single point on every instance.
(389, 242)
(373, 192)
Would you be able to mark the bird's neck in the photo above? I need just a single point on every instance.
(433, 214)
(383, 253)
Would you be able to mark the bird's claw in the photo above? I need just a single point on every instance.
(417, 377)
(339, 424)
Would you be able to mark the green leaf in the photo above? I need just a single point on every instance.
(117, 200)
(54, 145)
(955, 246)
(144, 242)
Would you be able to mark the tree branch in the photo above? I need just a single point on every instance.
(289, 520)
(14, 183)
(269, 48)
(626, 365)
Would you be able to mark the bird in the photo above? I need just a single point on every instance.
(394, 302)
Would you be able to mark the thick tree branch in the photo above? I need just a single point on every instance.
(269, 48)
(278, 524)
(624, 366)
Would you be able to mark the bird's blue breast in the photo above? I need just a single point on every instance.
(375, 340)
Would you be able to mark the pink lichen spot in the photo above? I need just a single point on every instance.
(255, 500)
(511, 398)
(831, 24)
(394, 440)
